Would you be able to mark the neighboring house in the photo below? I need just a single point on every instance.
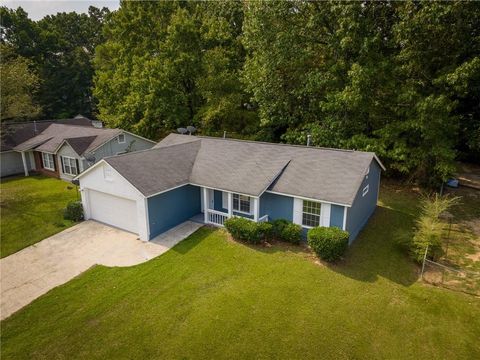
(62, 148)
(149, 192)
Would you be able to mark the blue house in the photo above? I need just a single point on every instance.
(211, 179)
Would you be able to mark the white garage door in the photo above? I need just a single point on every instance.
(113, 210)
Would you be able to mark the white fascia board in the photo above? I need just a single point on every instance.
(89, 169)
(234, 192)
(307, 198)
(167, 190)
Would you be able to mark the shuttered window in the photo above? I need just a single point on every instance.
(69, 165)
(48, 161)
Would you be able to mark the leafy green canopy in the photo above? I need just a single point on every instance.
(60, 50)
(170, 64)
(400, 79)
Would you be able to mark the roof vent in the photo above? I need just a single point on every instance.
(191, 129)
(182, 131)
(79, 116)
(97, 124)
(309, 139)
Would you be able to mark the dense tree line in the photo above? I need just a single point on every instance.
(59, 50)
(398, 78)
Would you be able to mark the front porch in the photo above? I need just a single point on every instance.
(222, 205)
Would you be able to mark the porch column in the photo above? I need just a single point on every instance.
(256, 208)
(230, 204)
(24, 160)
(205, 204)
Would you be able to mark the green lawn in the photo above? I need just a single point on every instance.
(210, 297)
(31, 210)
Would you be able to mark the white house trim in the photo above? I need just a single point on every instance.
(297, 211)
(325, 214)
(307, 198)
(344, 226)
(24, 160)
(214, 188)
(167, 190)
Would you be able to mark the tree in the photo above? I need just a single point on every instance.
(60, 49)
(179, 65)
(18, 85)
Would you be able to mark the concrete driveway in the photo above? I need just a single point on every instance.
(36, 269)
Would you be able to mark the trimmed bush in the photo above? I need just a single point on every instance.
(246, 230)
(73, 211)
(285, 230)
(330, 243)
(277, 227)
(265, 229)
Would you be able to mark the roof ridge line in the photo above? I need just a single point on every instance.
(146, 150)
(279, 144)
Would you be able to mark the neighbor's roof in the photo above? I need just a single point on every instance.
(15, 133)
(82, 138)
(246, 167)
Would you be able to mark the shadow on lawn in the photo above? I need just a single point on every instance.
(375, 253)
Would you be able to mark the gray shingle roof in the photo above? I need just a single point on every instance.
(15, 133)
(55, 134)
(157, 169)
(246, 167)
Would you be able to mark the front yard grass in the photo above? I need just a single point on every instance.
(31, 210)
(210, 297)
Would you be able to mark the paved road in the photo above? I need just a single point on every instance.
(35, 270)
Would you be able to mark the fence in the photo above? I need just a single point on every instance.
(453, 278)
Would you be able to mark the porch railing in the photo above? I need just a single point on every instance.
(264, 218)
(216, 217)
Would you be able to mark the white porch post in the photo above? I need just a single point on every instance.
(205, 206)
(256, 209)
(230, 204)
(24, 160)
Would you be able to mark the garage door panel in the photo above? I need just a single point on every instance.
(113, 210)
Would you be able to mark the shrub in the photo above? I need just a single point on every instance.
(330, 243)
(429, 227)
(291, 233)
(73, 211)
(285, 230)
(246, 230)
(277, 228)
(265, 229)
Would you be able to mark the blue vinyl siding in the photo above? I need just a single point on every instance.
(217, 201)
(173, 207)
(336, 215)
(276, 206)
(364, 206)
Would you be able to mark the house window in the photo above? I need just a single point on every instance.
(241, 203)
(121, 139)
(365, 190)
(69, 165)
(311, 213)
(48, 162)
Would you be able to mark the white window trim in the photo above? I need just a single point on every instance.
(69, 165)
(240, 211)
(45, 166)
(365, 190)
(124, 139)
(319, 215)
(224, 200)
